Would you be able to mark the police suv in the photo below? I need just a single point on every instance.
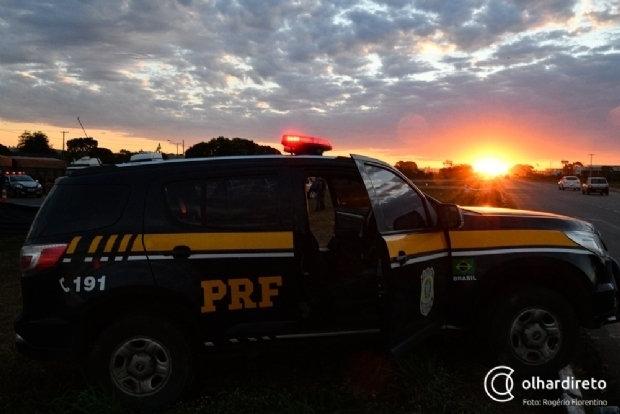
(138, 267)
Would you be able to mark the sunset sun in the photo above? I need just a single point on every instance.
(490, 166)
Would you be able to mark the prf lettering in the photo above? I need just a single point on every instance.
(240, 291)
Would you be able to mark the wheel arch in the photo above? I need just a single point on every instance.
(554, 274)
(131, 301)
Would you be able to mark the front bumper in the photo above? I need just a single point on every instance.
(25, 191)
(606, 299)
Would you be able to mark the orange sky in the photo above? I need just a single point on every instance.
(460, 142)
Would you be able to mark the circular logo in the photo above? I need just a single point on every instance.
(498, 383)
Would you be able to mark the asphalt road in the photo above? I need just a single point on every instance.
(26, 201)
(603, 212)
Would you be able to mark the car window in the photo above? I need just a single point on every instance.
(350, 193)
(184, 199)
(599, 181)
(402, 207)
(572, 178)
(78, 208)
(226, 202)
(22, 178)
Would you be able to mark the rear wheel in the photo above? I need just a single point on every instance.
(535, 332)
(144, 361)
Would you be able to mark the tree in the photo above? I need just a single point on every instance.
(410, 169)
(403, 166)
(4, 150)
(569, 168)
(221, 146)
(81, 147)
(105, 155)
(522, 170)
(34, 143)
(461, 172)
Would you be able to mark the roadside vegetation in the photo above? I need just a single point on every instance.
(443, 375)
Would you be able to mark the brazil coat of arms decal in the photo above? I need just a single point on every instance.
(427, 293)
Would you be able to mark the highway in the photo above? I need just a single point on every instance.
(603, 212)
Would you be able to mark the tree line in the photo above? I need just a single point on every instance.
(37, 144)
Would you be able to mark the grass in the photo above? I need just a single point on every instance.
(443, 375)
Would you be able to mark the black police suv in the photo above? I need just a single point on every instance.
(138, 267)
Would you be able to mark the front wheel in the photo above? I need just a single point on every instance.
(144, 361)
(535, 332)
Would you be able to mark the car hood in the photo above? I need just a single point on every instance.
(489, 218)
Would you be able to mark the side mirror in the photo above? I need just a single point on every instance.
(449, 216)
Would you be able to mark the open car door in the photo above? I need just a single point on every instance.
(414, 263)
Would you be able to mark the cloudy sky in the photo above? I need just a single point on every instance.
(421, 80)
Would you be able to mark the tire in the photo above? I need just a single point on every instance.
(535, 332)
(312, 194)
(143, 361)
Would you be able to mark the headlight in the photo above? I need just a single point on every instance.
(588, 240)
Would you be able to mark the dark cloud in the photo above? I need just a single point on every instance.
(350, 68)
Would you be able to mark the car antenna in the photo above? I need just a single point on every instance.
(85, 134)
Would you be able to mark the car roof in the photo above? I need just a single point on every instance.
(249, 162)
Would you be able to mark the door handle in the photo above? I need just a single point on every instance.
(181, 252)
(402, 258)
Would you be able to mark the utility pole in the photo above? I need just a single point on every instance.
(591, 155)
(63, 140)
(177, 144)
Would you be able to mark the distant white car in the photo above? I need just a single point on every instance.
(595, 185)
(569, 182)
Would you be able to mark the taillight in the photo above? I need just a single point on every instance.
(38, 257)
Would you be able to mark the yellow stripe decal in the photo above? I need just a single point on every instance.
(415, 243)
(124, 243)
(73, 244)
(481, 239)
(110, 243)
(94, 244)
(219, 241)
(137, 246)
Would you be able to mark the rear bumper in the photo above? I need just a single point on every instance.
(43, 339)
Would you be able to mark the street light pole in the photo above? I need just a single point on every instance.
(591, 155)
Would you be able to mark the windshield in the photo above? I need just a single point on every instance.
(21, 178)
